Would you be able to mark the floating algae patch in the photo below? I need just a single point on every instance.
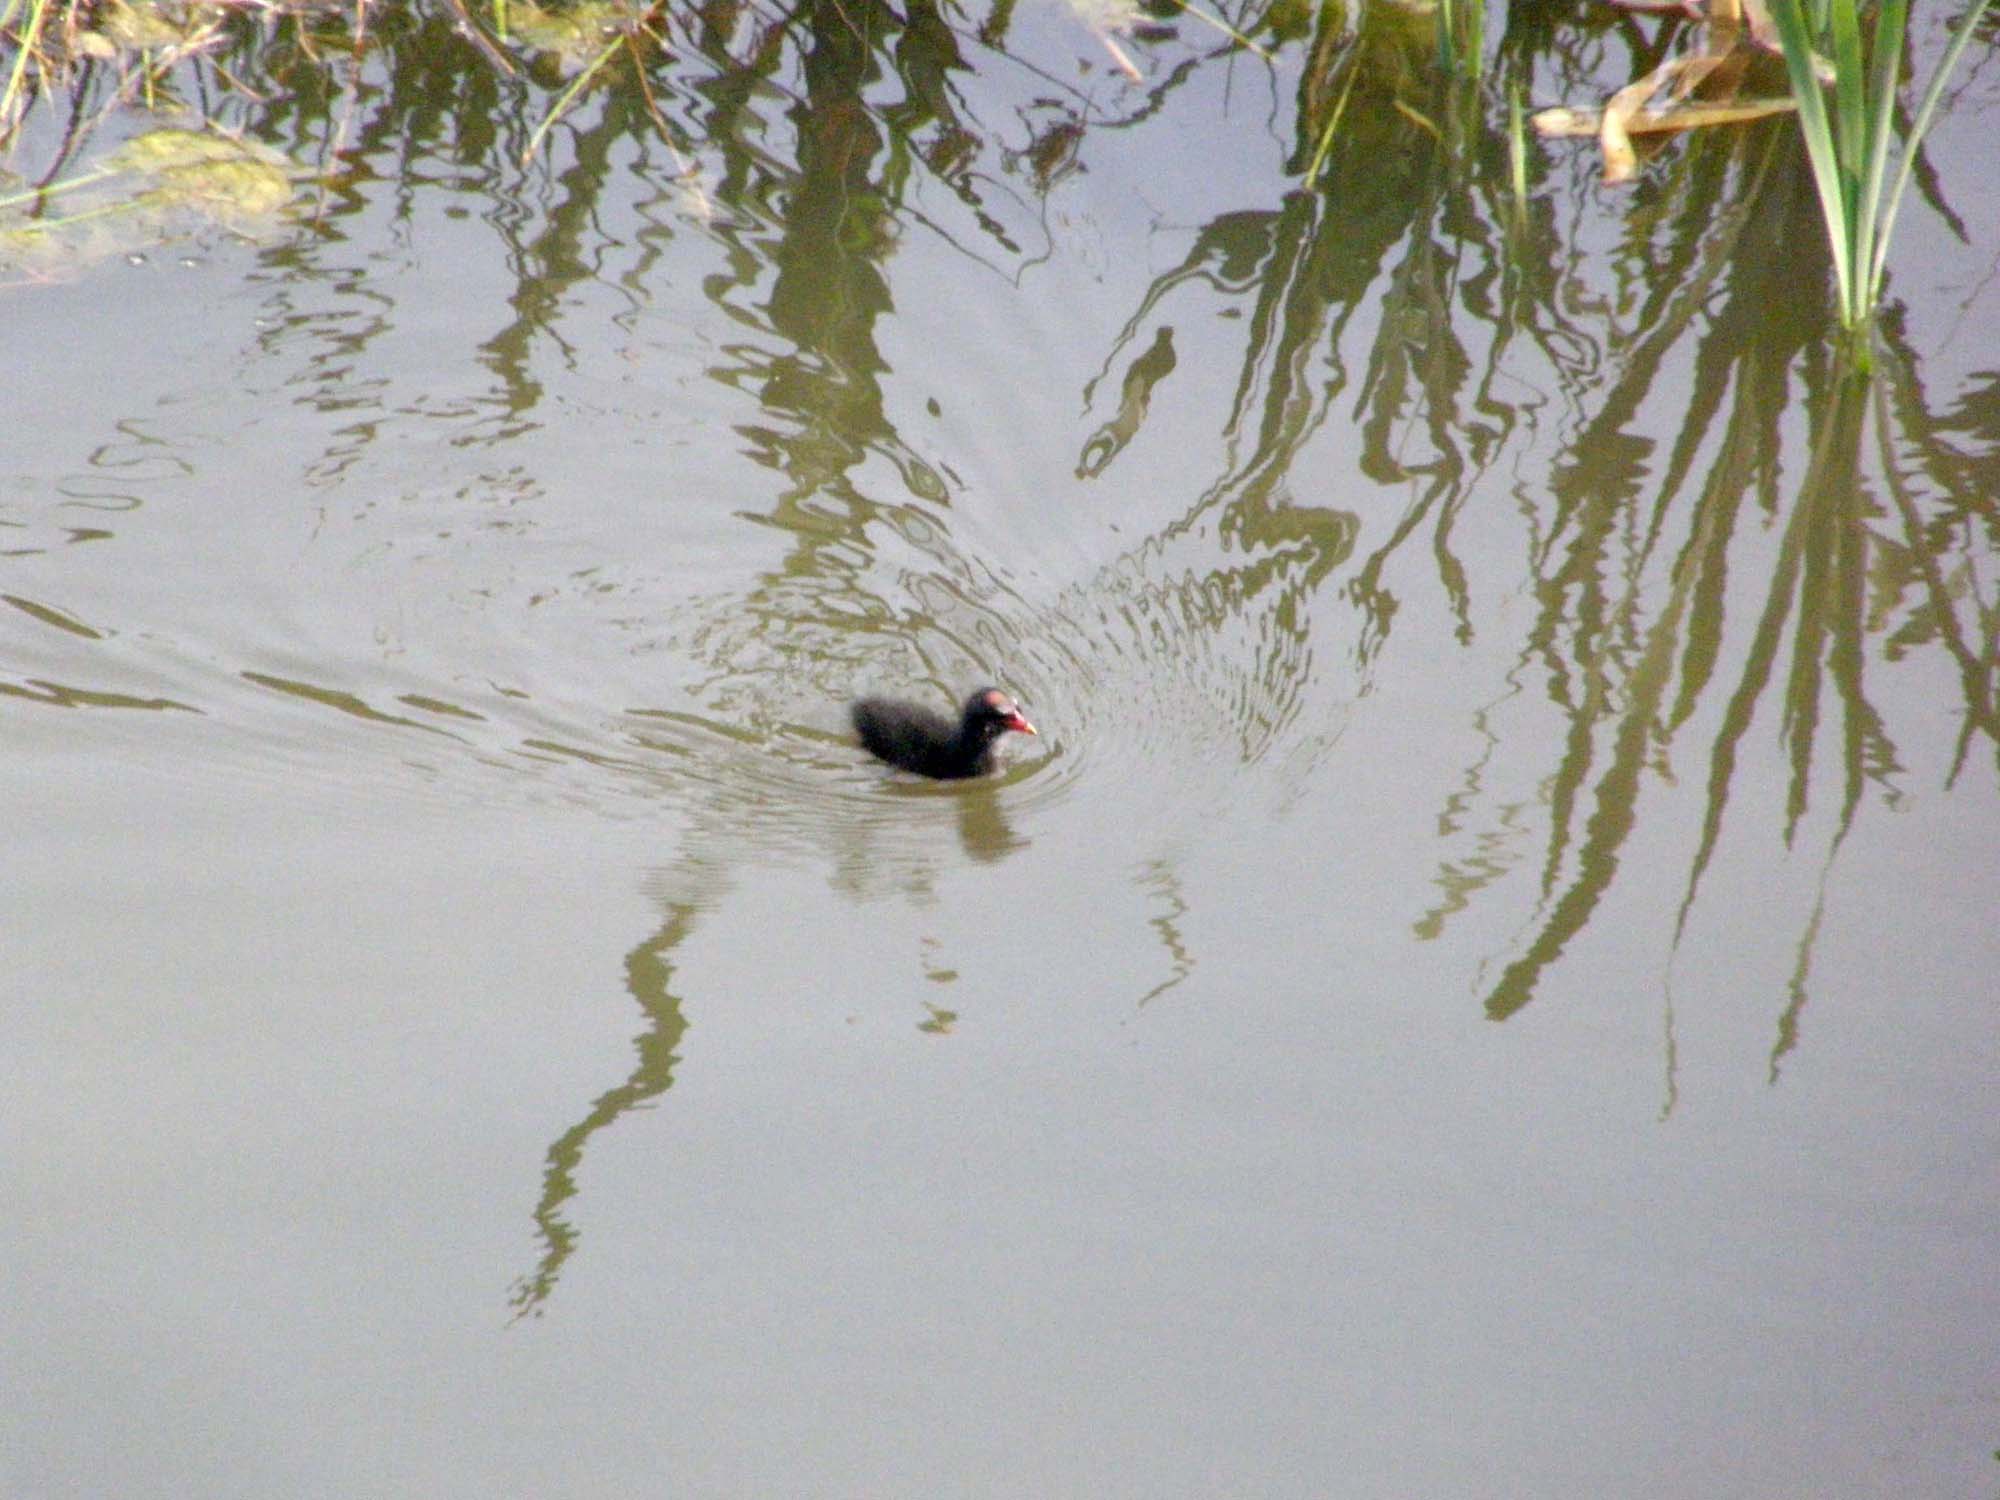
(165, 184)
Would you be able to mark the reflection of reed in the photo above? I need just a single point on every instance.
(1160, 876)
(1632, 551)
(648, 969)
(1818, 571)
(1614, 659)
(1636, 548)
(1135, 399)
(1631, 671)
(1494, 849)
(1239, 630)
(814, 627)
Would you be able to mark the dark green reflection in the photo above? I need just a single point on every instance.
(648, 972)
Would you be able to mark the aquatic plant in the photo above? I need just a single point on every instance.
(153, 186)
(1850, 148)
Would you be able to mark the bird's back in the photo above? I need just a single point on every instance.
(910, 736)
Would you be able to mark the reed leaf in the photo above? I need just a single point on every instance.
(1849, 147)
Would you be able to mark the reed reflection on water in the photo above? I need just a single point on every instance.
(1708, 522)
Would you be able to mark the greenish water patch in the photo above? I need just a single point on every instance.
(166, 184)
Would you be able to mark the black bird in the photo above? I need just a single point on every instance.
(922, 740)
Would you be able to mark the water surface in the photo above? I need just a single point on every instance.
(1483, 984)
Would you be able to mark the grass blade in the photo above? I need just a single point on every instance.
(1891, 25)
(1818, 133)
(566, 98)
(1920, 124)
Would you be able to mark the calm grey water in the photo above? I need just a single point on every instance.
(1485, 984)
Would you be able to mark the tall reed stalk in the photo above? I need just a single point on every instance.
(1850, 149)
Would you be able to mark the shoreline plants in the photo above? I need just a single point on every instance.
(108, 55)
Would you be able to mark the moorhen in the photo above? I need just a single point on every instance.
(917, 739)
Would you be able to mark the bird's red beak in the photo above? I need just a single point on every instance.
(1018, 724)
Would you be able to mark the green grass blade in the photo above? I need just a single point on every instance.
(1818, 133)
(1332, 125)
(1920, 123)
(1849, 109)
(568, 97)
(67, 185)
(1891, 23)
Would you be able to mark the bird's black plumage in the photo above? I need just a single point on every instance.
(922, 740)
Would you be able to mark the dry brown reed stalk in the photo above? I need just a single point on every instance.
(1729, 32)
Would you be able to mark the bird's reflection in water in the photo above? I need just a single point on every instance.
(983, 830)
